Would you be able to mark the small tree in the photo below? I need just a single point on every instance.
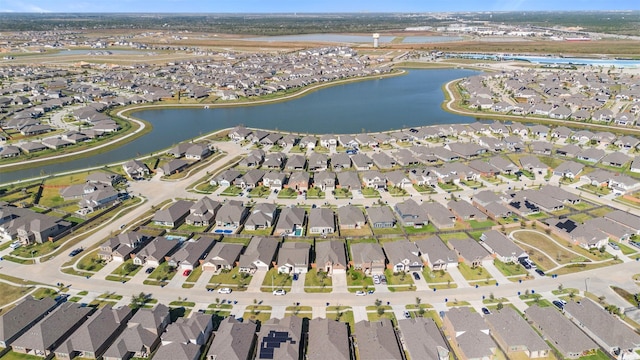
(418, 300)
(378, 302)
(380, 311)
(500, 306)
(560, 287)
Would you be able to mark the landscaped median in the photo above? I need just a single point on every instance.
(229, 278)
(317, 282)
(274, 280)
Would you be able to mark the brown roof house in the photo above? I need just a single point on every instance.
(15, 322)
(377, 340)
(436, 254)
(514, 335)
(468, 334)
(120, 247)
(501, 247)
(328, 339)
(142, 335)
(174, 215)
(280, 339)
(403, 256)
(259, 255)
(189, 256)
(233, 340)
(322, 221)
(472, 253)
(223, 256)
(293, 258)
(155, 252)
(351, 217)
(331, 256)
(422, 339)
(368, 257)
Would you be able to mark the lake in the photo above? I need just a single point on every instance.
(413, 99)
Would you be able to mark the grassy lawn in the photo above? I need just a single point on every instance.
(410, 230)
(287, 194)
(542, 260)
(91, 262)
(357, 278)
(190, 228)
(626, 250)
(481, 224)
(257, 313)
(162, 273)
(386, 231)
(473, 184)
(260, 192)
(599, 355)
(195, 274)
(438, 276)
(126, 269)
(398, 278)
(232, 277)
(205, 187)
(449, 236)
(548, 247)
(315, 193)
(572, 268)
(370, 193)
(17, 356)
(341, 313)
(36, 249)
(478, 273)
(279, 281)
(374, 316)
(314, 283)
(259, 232)
(509, 269)
(231, 191)
(449, 187)
(580, 218)
(365, 231)
(342, 193)
(9, 293)
(395, 191)
(598, 190)
(424, 189)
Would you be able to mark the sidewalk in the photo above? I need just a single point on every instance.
(457, 277)
(256, 281)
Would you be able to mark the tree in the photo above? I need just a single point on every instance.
(500, 306)
(378, 302)
(560, 288)
(138, 301)
(418, 300)
(380, 311)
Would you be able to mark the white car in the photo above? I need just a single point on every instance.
(224, 291)
(14, 245)
(360, 293)
(279, 292)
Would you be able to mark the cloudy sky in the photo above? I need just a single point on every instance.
(265, 6)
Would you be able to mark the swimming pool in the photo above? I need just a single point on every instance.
(175, 237)
(223, 231)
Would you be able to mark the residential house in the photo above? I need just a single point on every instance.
(533, 165)
(274, 180)
(570, 342)
(616, 159)
(398, 179)
(331, 257)
(340, 161)
(233, 340)
(177, 350)
(569, 150)
(624, 218)
(491, 204)
(280, 339)
(377, 340)
(568, 169)
(50, 332)
(328, 140)
(502, 247)
(253, 159)
(188, 257)
(322, 221)
(28, 226)
(351, 217)
(299, 181)
(19, 319)
(135, 169)
(585, 235)
(95, 335)
(291, 222)
(261, 217)
(309, 142)
(383, 161)
(296, 162)
(436, 254)
(503, 165)
(293, 258)
(381, 217)
(251, 179)
(368, 257)
(439, 215)
(468, 334)
(614, 336)
(514, 335)
(258, 255)
(173, 166)
(203, 212)
(231, 215)
(349, 180)
(411, 214)
(374, 179)
(274, 161)
(614, 230)
(174, 215)
(317, 162)
(466, 150)
(325, 181)
(155, 251)
(328, 339)
(470, 252)
(226, 178)
(464, 211)
(197, 152)
(403, 256)
(142, 335)
(422, 339)
(223, 256)
(196, 330)
(120, 247)
(591, 155)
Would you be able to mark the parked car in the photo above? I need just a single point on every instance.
(614, 246)
(558, 304)
(360, 293)
(416, 275)
(75, 252)
(149, 270)
(376, 279)
(407, 315)
(486, 311)
(383, 279)
(279, 292)
(224, 291)
(186, 272)
(540, 272)
(14, 245)
(295, 277)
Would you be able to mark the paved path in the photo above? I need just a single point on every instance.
(457, 277)
(256, 281)
(297, 286)
(339, 282)
(496, 274)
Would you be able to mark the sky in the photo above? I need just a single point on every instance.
(302, 6)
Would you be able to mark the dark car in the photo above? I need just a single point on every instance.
(416, 275)
(149, 270)
(75, 252)
(558, 304)
(540, 272)
(295, 277)
(486, 311)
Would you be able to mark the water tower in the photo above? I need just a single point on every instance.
(376, 36)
